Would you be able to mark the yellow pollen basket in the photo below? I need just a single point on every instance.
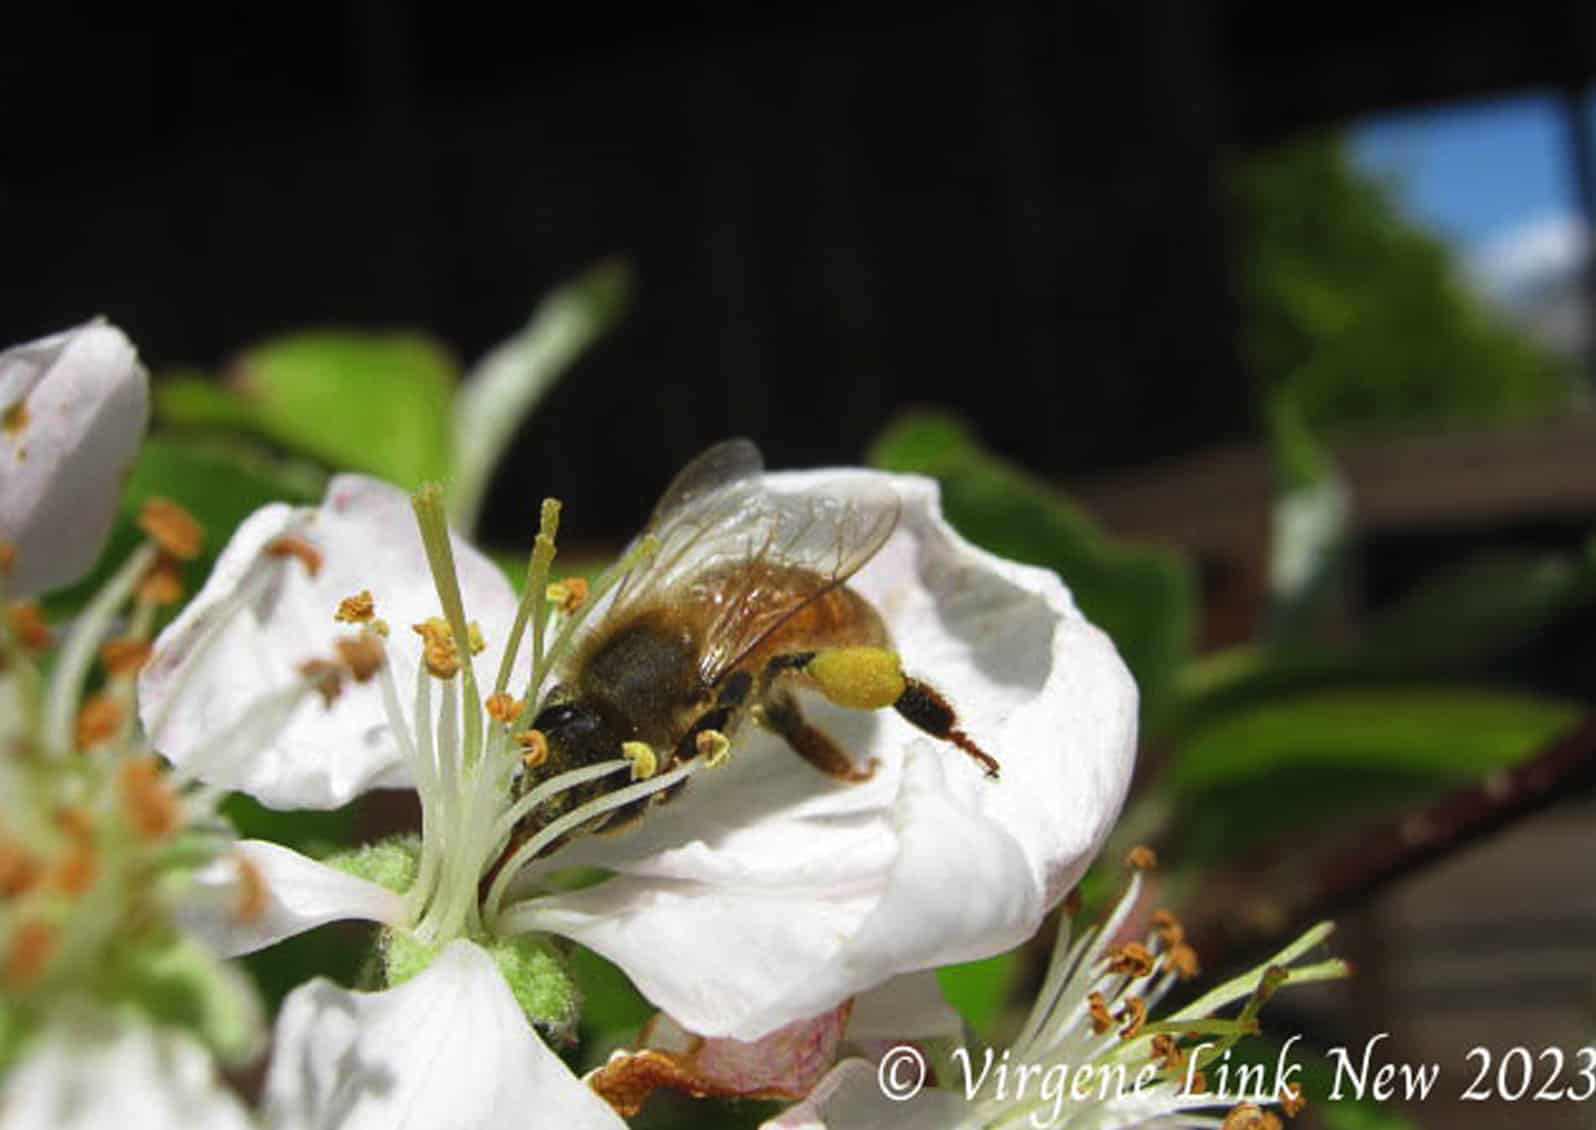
(860, 678)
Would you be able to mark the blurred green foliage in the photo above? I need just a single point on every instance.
(376, 402)
(396, 404)
(1363, 317)
(1294, 766)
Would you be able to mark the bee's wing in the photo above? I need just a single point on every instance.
(718, 483)
(782, 552)
(752, 556)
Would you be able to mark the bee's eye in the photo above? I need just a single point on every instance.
(556, 717)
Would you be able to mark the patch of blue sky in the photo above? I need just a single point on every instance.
(1493, 178)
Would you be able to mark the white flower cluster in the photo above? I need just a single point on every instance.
(767, 912)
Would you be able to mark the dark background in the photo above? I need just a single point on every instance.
(1016, 210)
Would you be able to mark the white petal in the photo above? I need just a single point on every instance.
(261, 893)
(851, 1098)
(911, 1007)
(91, 1070)
(930, 862)
(216, 660)
(763, 941)
(449, 1048)
(75, 405)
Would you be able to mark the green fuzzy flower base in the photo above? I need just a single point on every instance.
(530, 965)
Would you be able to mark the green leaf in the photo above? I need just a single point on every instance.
(1451, 734)
(507, 384)
(1325, 759)
(1449, 627)
(980, 989)
(220, 484)
(1143, 598)
(610, 1003)
(367, 401)
(193, 399)
(1367, 318)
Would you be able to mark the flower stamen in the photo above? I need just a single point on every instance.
(645, 762)
(567, 595)
(502, 707)
(124, 657)
(325, 677)
(1131, 959)
(713, 746)
(32, 946)
(297, 547)
(172, 528)
(534, 747)
(358, 609)
(99, 720)
(438, 651)
(162, 585)
(577, 817)
(362, 655)
(1097, 1008)
(27, 626)
(148, 804)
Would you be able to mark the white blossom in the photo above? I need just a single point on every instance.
(766, 893)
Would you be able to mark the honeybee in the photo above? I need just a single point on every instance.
(745, 598)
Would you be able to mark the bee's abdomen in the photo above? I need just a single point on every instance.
(839, 618)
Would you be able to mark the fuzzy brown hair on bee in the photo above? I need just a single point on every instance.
(743, 600)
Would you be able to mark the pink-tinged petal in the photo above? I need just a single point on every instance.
(448, 1048)
(262, 614)
(851, 1098)
(73, 408)
(930, 862)
(260, 893)
(785, 1064)
(92, 1069)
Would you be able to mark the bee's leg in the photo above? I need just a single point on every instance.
(781, 714)
(921, 706)
(872, 678)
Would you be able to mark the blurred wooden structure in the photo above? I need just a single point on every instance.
(1218, 501)
(1215, 505)
(1491, 947)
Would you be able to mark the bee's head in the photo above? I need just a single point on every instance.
(578, 734)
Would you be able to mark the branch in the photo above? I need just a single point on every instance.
(1237, 913)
